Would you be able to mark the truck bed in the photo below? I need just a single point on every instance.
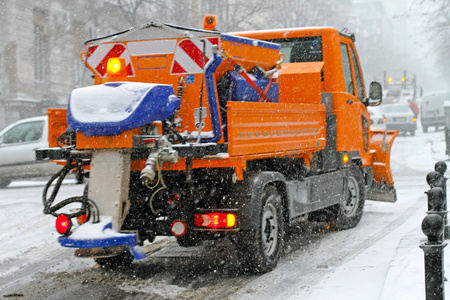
(255, 128)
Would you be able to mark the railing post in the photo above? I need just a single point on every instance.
(441, 168)
(433, 227)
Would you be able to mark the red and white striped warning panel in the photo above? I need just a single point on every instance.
(188, 56)
(98, 57)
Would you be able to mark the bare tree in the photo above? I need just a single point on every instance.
(138, 11)
(298, 13)
(437, 16)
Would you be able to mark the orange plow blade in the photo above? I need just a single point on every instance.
(382, 188)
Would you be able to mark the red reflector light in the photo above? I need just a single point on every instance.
(149, 140)
(178, 228)
(63, 224)
(215, 220)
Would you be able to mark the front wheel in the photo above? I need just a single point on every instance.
(349, 211)
(260, 249)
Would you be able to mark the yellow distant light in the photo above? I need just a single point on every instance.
(403, 79)
(389, 79)
(414, 119)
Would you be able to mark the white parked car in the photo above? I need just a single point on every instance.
(377, 121)
(17, 156)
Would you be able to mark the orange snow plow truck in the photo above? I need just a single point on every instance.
(205, 135)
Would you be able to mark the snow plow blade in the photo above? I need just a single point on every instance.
(382, 188)
(100, 240)
(384, 193)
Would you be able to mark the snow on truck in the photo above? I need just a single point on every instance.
(205, 135)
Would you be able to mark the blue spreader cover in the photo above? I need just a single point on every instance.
(233, 87)
(111, 108)
(101, 235)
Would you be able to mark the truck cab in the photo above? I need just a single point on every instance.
(327, 67)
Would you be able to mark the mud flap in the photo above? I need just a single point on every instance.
(382, 188)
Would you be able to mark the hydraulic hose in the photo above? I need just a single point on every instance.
(88, 206)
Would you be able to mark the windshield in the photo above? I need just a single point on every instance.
(305, 49)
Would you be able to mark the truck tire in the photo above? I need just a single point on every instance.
(121, 261)
(350, 211)
(260, 249)
(424, 129)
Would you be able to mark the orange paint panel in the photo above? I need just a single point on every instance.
(124, 140)
(270, 127)
(57, 125)
(152, 62)
(301, 82)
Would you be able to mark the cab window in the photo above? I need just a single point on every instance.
(347, 69)
(25, 132)
(302, 49)
(358, 77)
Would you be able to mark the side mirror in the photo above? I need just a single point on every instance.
(375, 94)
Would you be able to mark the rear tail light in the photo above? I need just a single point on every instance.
(216, 220)
(380, 121)
(63, 224)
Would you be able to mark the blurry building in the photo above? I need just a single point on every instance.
(40, 46)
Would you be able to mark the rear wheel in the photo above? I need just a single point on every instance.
(260, 249)
(350, 211)
(425, 129)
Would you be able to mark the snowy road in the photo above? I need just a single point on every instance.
(360, 263)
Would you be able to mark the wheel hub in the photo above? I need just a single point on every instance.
(269, 229)
(351, 204)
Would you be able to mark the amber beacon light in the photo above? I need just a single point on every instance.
(116, 67)
(209, 22)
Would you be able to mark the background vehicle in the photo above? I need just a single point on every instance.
(399, 117)
(250, 141)
(377, 121)
(18, 143)
(432, 110)
(400, 86)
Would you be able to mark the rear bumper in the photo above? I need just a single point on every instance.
(434, 121)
